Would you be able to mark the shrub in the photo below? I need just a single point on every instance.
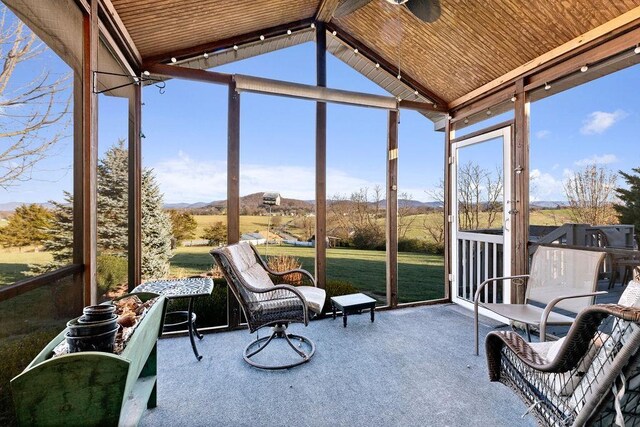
(412, 245)
(282, 263)
(368, 238)
(434, 248)
(333, 289)
(112, 271)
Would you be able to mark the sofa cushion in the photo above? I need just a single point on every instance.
(245, 261)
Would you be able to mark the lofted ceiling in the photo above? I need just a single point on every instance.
(473, 42)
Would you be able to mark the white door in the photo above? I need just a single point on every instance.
(481, 202)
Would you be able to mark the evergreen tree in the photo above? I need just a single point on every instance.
(156, 230)
(629, 212)
(113, 221)
(28, 225)
(113, 193)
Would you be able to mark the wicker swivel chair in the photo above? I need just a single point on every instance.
(266, 304)
(590, 377)
(561, 278)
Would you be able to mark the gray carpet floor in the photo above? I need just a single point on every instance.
(412, 367)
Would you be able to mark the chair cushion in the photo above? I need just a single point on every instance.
(565, 383)
(245, 261)
(315, 297)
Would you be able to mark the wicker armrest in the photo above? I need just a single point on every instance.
(284, 293)
(575, 346)
(295, 271)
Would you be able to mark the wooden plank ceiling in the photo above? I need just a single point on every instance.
(473, 42)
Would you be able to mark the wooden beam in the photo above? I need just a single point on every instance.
(598, 32)
(384, 64)
(89, 154)
(175, 71)
(121, 32)
(421, 106)
(321, 159)
(482, 105)
(603, 51)
(135, 188)
(520, 191)
(233, 189)
(326, 10)
(392, 210)
(449, 135)
(229, 42)
(26, 285)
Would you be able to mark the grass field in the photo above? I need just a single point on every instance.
(13, 263)
(421, 276)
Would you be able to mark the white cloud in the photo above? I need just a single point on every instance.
(188, 180)
(599, 121)
(542, 134)
(604, 159)
(545, 186)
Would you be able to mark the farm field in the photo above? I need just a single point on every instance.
(421, 276)
(412, 270)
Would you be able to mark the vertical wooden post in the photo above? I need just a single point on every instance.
(520, 190)
(448, 136)
(233, 188)
(89, 156)
(135, 187)
(392, 209)
(321, 159)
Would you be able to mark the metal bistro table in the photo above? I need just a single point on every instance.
(192, 288)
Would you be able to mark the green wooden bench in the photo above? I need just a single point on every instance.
(92, 388)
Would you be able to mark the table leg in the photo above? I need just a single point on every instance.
(372, 313)
(191, 328)
(344, 317)
(333, 309)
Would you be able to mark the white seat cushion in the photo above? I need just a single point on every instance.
(315, 297)
(245, 261)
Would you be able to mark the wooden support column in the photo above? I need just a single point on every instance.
(86, 181)
(449, 134)
(233, 189)
(520, 191)
(135, 188)
(392, 210)
(321, 159)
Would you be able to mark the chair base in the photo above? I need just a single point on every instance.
(279, 331)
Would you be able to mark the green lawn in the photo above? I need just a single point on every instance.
(14, 264)
(421, 276)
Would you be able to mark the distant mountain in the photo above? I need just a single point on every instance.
(255, 200)
(196, 205)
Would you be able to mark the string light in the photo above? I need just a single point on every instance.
(261, 38)
(355, 51)
(206, 55)
(235, 47)
(466, 121)
(637, 50)
(174, 60)
(513, 98)
(146, 73)
(415, 92)
(547, 86)
(313, 25)
(488, 112)
(584, 68)
(334, 32)
(377, 65)
(288, 32)
(399, 77)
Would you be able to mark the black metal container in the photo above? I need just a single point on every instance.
(94, 313)
(100, 342)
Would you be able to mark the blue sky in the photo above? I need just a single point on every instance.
(185, 136)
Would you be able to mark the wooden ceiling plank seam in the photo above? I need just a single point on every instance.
(370, 53)
(238, 40)
(326, 10)
(593, 34)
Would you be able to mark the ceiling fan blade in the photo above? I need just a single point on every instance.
(348, 6)
(425, 10)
